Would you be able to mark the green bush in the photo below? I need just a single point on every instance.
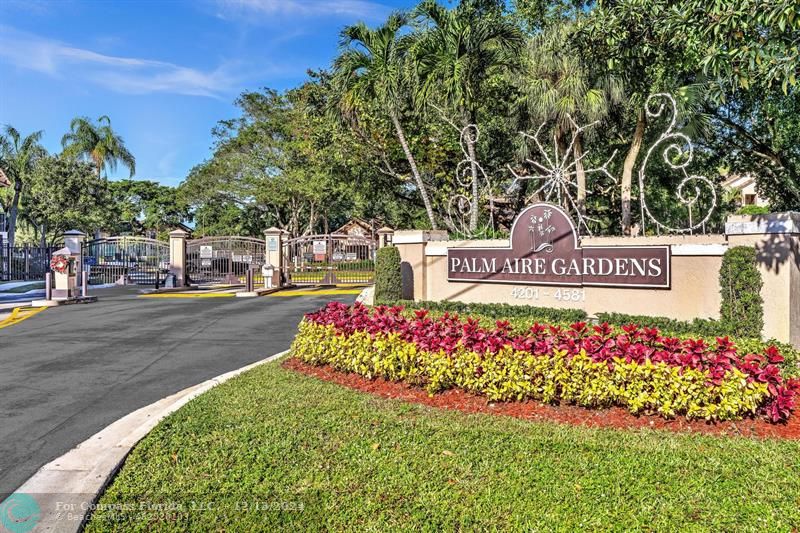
(702, 327)
(388, 280)
(753, 210)
(497, 311)
(740, 284)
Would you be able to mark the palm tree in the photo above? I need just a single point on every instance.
(557, 86)
(97, 143)
(454, 54)
(18, 157)
(369, 70)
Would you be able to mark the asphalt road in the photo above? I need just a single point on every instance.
(69, 372)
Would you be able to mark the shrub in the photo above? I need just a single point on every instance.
(708, 329)
(388, 280)
(699, 326)
(740, 283)
(543, 314)
(638, 369)
(753, 210)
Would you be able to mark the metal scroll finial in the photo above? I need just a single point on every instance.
(682, 151)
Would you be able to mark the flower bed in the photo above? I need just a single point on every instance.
(590, 366)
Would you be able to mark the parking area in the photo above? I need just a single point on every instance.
(70, 371)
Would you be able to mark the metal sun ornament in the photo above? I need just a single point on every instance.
(557, 176)
(681, 151)
(459, 206)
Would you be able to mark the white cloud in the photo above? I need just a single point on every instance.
(121, 74)
(363, 9)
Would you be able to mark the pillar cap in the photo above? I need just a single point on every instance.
(385, 229)
(74, 233)
(178, 233)
(273, 231)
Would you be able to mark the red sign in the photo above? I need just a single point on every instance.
(545, 251)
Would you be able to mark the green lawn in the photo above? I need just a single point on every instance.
(274, 449)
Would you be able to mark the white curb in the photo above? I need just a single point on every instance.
(66, 488)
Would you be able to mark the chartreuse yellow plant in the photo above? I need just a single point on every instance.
(514, 375)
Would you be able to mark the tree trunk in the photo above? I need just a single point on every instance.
(14, 211)
(627, 171)
(580, 174)
(473, 211)
(413, 164)
(44, 235)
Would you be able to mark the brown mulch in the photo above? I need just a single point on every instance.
(614, 417)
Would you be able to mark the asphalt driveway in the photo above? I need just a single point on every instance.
(69, 372)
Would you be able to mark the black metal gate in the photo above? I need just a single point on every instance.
(136, 260)
(225, 259)
(24, 263)
(329, 260)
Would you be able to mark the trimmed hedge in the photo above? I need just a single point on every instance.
(740, 282)
(497, 311)
(388, 278)
(640, 369)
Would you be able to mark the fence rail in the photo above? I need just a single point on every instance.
(24, 263)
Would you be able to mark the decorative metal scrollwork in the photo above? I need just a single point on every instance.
(677, 155)
(558, 177)
(460, 204)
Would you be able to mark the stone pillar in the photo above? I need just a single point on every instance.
(274, 238)
(385, 235)
(73, 240)
(413, 261)
(177, 256)
(776, 238)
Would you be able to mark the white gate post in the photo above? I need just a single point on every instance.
(385, 235)
(177, 256)
(74, 239)
(274, 255)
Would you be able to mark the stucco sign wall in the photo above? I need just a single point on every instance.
(545, 250)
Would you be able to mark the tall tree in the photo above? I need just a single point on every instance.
(454, 55)
(627, 36)
(63, 194)
(18, 158)
(99, 143)
(370, 70)
(557, 85)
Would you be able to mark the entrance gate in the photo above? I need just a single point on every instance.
(225, 259)
(329, 260)
(141, 260)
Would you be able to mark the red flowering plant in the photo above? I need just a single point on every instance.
(630, 344)
(60, 264)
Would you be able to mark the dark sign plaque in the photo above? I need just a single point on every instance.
(545, 251)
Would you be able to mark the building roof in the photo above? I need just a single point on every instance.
(355, 222)
(738, 181)
(4, 181)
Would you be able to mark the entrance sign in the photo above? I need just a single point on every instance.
(206, 252)
(320, 247)
(545, 250)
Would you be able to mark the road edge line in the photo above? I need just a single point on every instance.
(73, 482)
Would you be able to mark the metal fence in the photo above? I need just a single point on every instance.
(225, 259)
(329, 260)
(138, 260)
(24, 263)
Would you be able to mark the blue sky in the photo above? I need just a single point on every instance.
(164, 71)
